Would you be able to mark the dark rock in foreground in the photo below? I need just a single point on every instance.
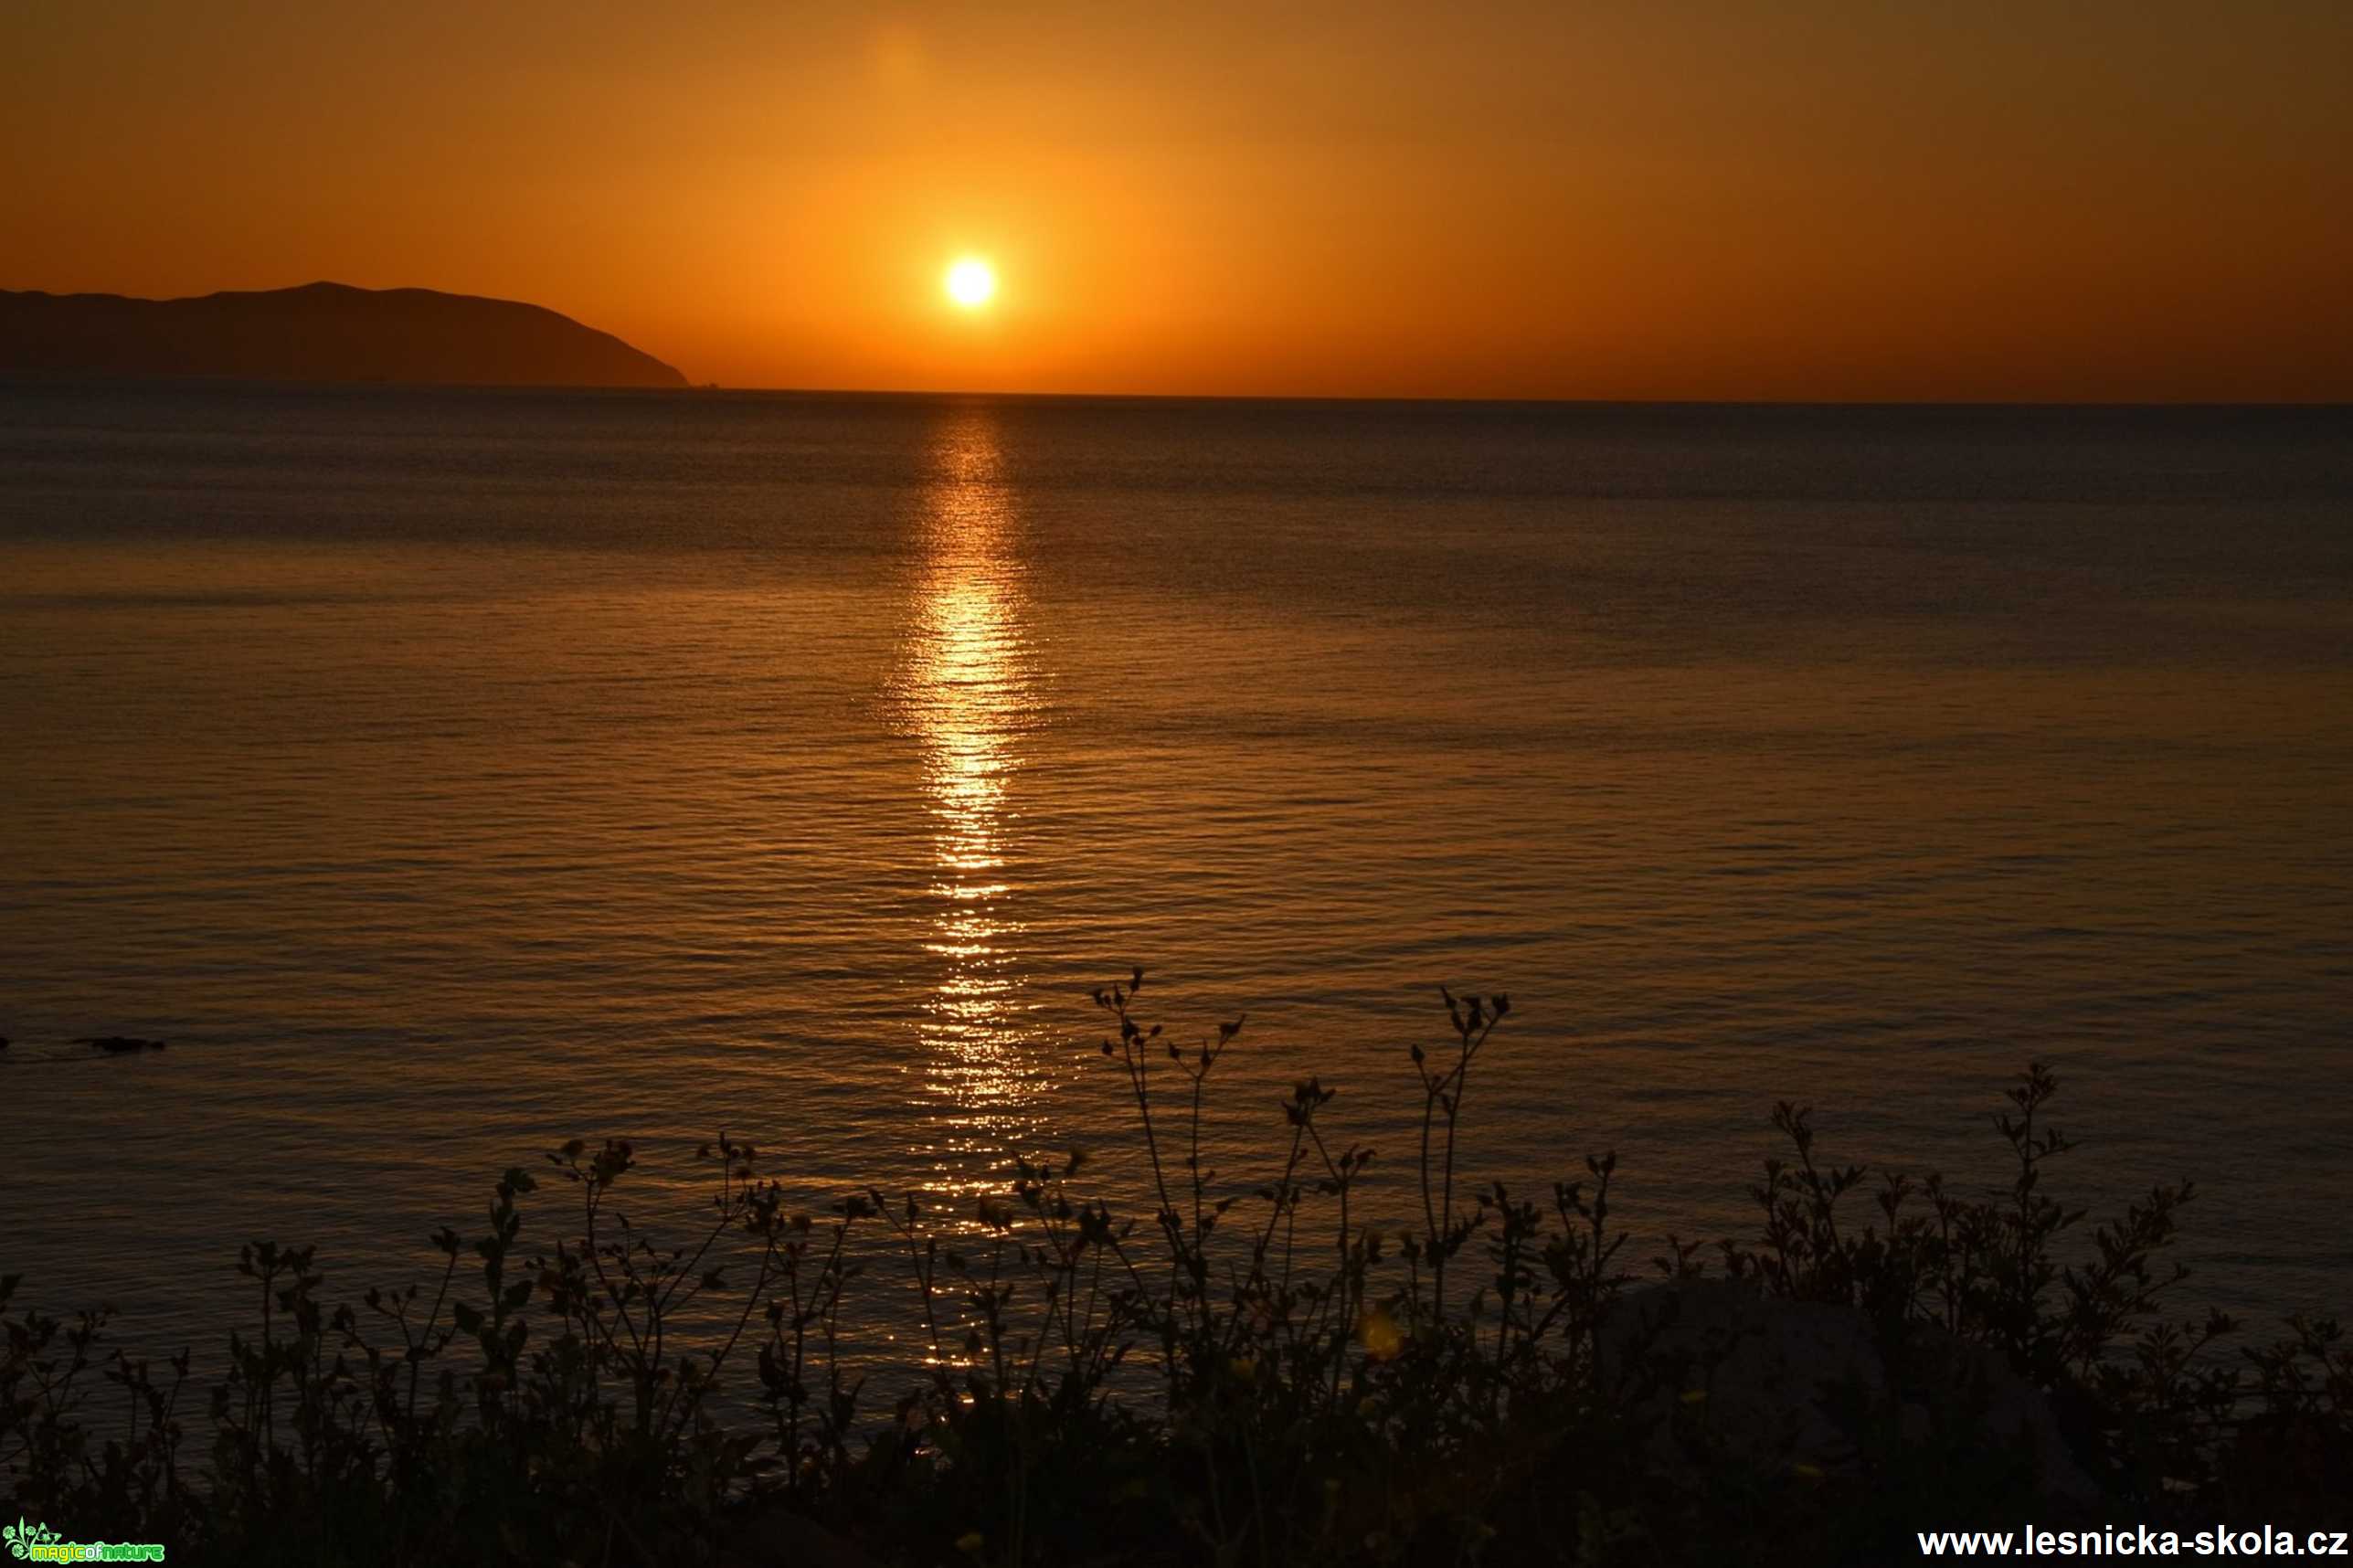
(1776, 1386)
(321, 332)
(778, 1535)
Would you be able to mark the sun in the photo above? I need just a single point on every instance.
(971, 282)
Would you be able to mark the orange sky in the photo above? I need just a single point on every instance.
(2129, 199)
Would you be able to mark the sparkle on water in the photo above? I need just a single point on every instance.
(967, 697)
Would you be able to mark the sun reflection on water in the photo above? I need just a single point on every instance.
(968, 694)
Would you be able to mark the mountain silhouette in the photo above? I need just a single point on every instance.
(322, 331)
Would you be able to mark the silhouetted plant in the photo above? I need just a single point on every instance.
(1250, 1374)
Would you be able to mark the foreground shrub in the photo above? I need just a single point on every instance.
(1244, 1376)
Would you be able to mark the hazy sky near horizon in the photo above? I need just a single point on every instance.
(1693, 198)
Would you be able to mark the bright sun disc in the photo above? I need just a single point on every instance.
(971, 282)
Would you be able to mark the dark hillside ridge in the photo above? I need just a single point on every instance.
(321, 332)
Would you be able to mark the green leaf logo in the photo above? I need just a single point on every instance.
(22, 1537)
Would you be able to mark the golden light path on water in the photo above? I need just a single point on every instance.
(969, 696)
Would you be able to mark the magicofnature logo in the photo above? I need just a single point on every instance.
(39, 1543)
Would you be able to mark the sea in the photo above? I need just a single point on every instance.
(446, 774)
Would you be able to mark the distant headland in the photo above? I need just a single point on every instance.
(321, 331)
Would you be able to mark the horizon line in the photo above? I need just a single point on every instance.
(910, 394)
(1480, 398)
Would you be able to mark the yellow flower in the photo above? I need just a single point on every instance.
(969, 1543)
(1378, 1332)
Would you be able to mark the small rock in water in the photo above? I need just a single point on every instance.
(119, 1045)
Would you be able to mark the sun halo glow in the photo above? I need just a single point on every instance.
(971, 282)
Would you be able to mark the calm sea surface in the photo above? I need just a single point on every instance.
(448, 774)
